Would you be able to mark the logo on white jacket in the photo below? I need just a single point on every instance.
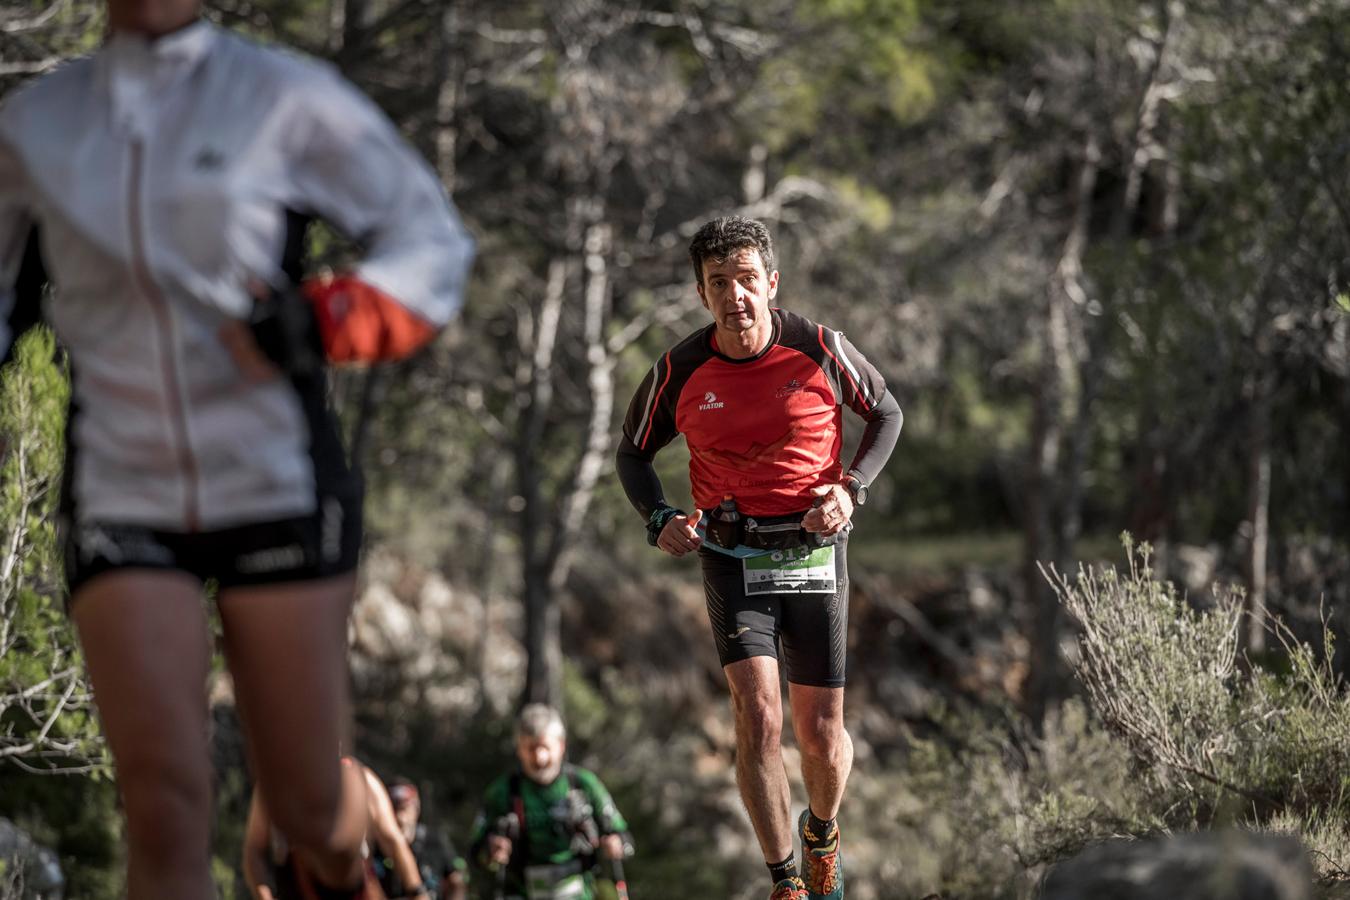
(710, 401)
(209, 159)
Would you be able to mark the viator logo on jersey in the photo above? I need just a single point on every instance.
(710, 401)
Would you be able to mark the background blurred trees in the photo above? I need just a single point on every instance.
(1094, 245)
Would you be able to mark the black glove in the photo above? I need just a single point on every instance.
(287, 332)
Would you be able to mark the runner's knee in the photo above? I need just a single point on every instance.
(168, 804)
(758, 722)
(821, 737)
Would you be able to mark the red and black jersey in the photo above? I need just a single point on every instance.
(766, 429)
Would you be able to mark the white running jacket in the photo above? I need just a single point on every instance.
(160, 178)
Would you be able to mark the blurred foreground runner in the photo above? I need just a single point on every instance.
(542, 827)
(759, 396)
(270, 869)
(163, 184)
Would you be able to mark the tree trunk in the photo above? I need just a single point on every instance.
(543, 647)
(1044, 536)
(354, 17)
(449, 70)
(1258, 514)
(487, 571)
(1146, 145)
(600, 381)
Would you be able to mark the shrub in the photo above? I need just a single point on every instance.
(1226, 741)
(46, 719)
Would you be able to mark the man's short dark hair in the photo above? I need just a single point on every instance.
(720, 238)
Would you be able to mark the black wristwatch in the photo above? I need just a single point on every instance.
(857, 489)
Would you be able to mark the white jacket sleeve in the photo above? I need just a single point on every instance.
(355, 171)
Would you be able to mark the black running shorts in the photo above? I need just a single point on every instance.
(812, 628)
(306, 548)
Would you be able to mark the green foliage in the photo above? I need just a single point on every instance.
(46, 719)
(77, 817)
(1255, 747)
(979, 806)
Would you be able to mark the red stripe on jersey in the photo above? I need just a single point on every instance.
(820, 334)
(651, 413)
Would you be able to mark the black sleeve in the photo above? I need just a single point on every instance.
(26, 309)
(650, 422)
(648, 426)
(884, 421)
(638, 477)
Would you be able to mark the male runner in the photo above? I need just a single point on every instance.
(542, 827)
(759, 396)
(270, 867)
(442, 869)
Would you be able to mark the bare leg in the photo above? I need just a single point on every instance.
(145, 643)
(287, 649)
(827, 750)
(757, 705)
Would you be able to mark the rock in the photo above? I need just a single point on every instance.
(1226, 865)
(27, 868)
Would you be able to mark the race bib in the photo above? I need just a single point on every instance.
(543, 883)
(801, 570)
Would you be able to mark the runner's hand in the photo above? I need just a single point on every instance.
(252, 362)
(833, 512)
(680, 534)
(499, 849)
(611, 846)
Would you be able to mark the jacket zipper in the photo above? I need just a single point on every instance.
(187, 462)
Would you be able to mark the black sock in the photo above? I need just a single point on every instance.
(819, 829)
(785, 869)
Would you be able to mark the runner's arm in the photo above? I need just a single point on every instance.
(608, 819)
(639, 479)
(862, 389)
(884, 422)
(454, 872)
(648, 426)
(357, 172)
(387, 835)
(496, 804)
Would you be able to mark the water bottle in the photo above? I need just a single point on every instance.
(724, 524)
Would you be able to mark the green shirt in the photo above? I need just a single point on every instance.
(549, 827)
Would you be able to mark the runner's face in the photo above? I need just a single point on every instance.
(541, 758)
(407, 814)
(152, 17)
(737, 290)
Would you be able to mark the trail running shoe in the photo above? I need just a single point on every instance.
(822, 865)
(789, 889)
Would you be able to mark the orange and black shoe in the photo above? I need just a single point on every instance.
(789, 889)
(822, 862)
